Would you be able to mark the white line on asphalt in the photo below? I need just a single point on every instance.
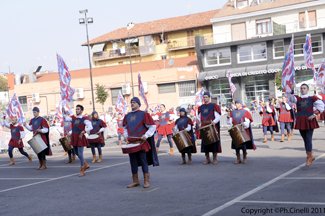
(23, 178)
(309, 178)
(62, 177)
(27, 160)
(283, 202)
(255, 190)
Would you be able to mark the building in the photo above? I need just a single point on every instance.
(155, 40)
(250, 40)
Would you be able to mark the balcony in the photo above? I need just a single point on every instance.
(181, 44)
(277, 29)
(115, 54)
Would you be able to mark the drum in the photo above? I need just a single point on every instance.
(131, 148)
(65, 142)
(209, 134)
(37, 144)
(239, 135)
(182, 140)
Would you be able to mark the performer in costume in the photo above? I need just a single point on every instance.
(321, 97)
(165, 126)
(152, 113)
(139, 127)
(285, 117)
(39, 125)
(120, 128)
(306, 117)
(67, 126)
(16, 141)
(185, 123)
(210, 113)
(80, 125)
(268, 122)
(99, 142)
(196, 126)
(242, 116)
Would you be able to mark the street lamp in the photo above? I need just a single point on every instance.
(130, 26)
(86, 21)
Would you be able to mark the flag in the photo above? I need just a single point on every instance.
(308, 54)
(58, 114)
(65, 79)
(141, 90)
(288, 71)
(121, 106)
(14, 110)
(199, 98)
(157, 108)
(232, 86)
(320, 77)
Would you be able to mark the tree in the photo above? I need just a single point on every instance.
(101, 95)
(278, 80)
(3, 84)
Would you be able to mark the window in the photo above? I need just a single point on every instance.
(278, 49)
(115, 93)
(221, 88)
(255, 52)
(256, 88)
(186, 89)
(263, 26)
(217, 57)
(242, 3)
(120, 63)
(163, 57)
(316, 42)
(190, 38)
(304, 75)
(23, 102)
(191, 53)
(71, 104)
(238, 31)
(312, 21)
(166, 88)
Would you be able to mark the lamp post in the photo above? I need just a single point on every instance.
(130, 26)
(87, 21)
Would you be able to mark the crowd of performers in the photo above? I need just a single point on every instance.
(146, 130)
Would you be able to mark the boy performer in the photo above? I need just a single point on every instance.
(120, 130)
(285, 117)
(67, 126)
(268, 121)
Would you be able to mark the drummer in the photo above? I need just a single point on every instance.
(67, 126)
(80, 125)
(120, 128)
(285, 117)
(39, 125)
(185, 123)
(97, 131)
(16, 141)
(210, 113)
(268, 121)
(242, 116)
(139, 126)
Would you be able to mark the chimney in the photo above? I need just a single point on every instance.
(11, 81)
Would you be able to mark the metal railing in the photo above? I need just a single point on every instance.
(118, 53)
(181, 44)
(277, 29)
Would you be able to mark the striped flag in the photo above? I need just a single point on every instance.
(65, 79)
(320, 77)
(199, 98)
(141, 91)
(121, 106)
(288, 71)
(15, 110)
(58, 114)
(308, 54)
(232, 86)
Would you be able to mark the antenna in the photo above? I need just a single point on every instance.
(189, 7)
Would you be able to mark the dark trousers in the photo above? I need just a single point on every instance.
(284, 125)
(265, 129)
(169, 137)
(71, 152)
(134, 159)
(99, 147)
(21, 150)
(307, 136)
(80, 153)
(188, 151)
(41, 155)
(119, 136)
(243, 148)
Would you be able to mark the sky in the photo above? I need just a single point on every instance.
(33, 31)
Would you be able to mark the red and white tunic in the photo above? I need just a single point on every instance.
(165, 118)
(120, 126)
(17, 134)
(322, 115)
(79, 124)
(268, 114)
(284, 112)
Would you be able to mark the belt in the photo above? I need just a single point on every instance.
(206, 122)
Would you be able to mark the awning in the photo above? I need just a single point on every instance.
(256, 68)
(211, 75)
(131, 40)
(98, 48)
(236, 70)
(201, 76)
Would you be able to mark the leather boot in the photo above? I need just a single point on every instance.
(65, 153)
(238, 159)
(195, 143)
(272, 137)
(189, 159)
(94, 159)
(29, 158)
(282, 138)
(100, 159)
(310, 158)
(265, 139)
(292, 132)
(82, 171)
(40, 164)
(43, 165)
(207, 161)
(289, 137)
(215, 158)
(157, 150)
(70, 160)
(12, 161)
(119, 142)
(146, 180)
(183, 162)
(245, 158)
(86, 165)
(171, 151)
(135, 181)
(73, 159)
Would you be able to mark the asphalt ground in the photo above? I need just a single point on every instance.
(275, 181)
